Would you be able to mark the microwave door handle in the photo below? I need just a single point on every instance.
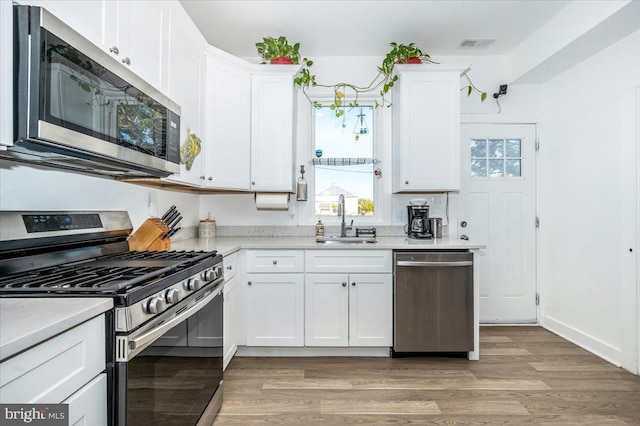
(139, 343)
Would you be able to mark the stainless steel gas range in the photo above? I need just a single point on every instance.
(164, 336)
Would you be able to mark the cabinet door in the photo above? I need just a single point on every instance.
(230, 319)
(426, 129)
(142, 27)
(228, 125)
(186, 63)
(91, 18)
(88, 406)
(272, 107)
(275, 309)
(326, 315)
(370, 309)
(6, 76)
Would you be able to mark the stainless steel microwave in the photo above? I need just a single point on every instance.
(78, 108)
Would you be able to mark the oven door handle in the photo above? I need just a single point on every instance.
(139, 343)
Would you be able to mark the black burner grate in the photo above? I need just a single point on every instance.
(115, 273)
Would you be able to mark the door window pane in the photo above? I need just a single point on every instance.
(513, 168)
(496, 149)
(513, 147)
(496, 168)
(479, 168)
(478, 148)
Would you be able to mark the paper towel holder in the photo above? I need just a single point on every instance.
(255, 200)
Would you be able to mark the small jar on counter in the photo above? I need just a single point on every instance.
(319, 229)
(207, 227)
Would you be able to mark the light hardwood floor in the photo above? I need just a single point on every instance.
(525, 376)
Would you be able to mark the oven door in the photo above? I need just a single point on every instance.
(171, 376)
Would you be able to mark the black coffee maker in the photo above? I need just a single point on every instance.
(418, 226)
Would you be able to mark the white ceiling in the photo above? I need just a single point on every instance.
(366, 27)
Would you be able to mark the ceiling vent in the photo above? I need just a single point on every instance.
(476, 43)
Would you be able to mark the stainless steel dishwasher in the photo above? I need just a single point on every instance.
(433, 302)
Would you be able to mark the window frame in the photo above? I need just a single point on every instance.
(378, 185)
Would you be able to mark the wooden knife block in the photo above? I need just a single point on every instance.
(148, 237)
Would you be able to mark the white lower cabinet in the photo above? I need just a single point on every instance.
(348, 309)
(230, 311)
(67, 369)
(88, 406)
(275, 309)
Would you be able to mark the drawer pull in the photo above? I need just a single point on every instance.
(275, 262)
(344, 284)
(353, 284)
(230, 267)
(249, 283)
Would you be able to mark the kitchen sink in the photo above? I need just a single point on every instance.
(341, 240)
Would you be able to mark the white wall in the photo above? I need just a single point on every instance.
(584, 237)
(33, 188)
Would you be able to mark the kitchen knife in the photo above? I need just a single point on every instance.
(172, 232)
(167, 213)
(171, 217)
(175, 222)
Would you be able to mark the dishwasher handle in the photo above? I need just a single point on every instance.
(445, 264)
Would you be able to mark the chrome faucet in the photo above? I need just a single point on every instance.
(341, 212)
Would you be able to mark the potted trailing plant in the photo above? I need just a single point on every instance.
(385, 79)
(273, 48)
(277, 50)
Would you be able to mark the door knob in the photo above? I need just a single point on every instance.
(463, 223)
(464, 237)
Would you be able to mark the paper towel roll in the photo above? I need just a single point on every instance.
(272, 201)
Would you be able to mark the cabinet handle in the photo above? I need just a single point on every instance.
(114, 50)
(249, 283)
(253, 182)
(344, 284)
(126, 61)
(202, 177)
(210, 178)
(353, 284)
(406, 182)
(230, 267)
(275, 262)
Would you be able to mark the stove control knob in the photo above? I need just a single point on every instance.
(192, 284)
(172, 296)
(154, 305)
(219, 271)
(209, 275)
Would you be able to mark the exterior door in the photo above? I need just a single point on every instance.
(497, 207)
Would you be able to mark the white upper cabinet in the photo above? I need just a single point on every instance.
(426, 128)
(142, 39)
(186, 88)
(133, 32)
(227, 121)
(272, 121)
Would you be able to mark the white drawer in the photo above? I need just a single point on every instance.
(51, 371)
(88, 406)
(277, 261)
(230, 266)
(350, 261)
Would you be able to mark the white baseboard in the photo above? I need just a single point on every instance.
(302, 352)
(591, 344)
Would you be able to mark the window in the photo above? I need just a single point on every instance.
(496, 158)
(344, 162)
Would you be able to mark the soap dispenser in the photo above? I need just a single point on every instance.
(319, 229)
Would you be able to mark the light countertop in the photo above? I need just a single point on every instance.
(228, 245)
(25, 322)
